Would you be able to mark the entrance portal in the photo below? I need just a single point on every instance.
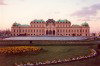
(50, 32)
(73, 34)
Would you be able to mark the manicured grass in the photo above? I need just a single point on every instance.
(48, 53)
(95, 61)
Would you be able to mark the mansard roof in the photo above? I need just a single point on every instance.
(17, 24)
(75, 25)
(65, 20)
(25, 25)
(39, 20)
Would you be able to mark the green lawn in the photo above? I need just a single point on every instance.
(49, 53)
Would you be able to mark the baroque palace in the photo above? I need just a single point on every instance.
(50, 28)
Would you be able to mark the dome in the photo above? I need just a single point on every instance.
(85, 24)
(16, 24)
(50, 21)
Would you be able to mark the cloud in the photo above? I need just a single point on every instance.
(87, 11)
(22, 0)
(2, 2)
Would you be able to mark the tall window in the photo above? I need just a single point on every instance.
(26, 30)
(37, 30)
(31, 30)
(58, 30)
(23, 30)
(66, 30)
(34, 30)
(63, 30)
(72, 30)
(14, 30)
(83, 30)
(77, 30)
(69, 30)
(86, 30)
(80, 30)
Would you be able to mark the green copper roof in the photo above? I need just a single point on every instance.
(63, 20)
(17, 24)
(85, 24)
(24, 25)
(75, 25)
(38, 20)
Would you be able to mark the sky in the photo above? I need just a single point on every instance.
(24, 11)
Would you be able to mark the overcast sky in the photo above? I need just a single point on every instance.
(24, 11)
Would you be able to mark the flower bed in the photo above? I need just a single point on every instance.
(19, 49)
(92, 54)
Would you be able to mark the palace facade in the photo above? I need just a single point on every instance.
(50, 28)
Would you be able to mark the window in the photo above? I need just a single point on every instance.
(42, 30)
(31, 30)
(28, 30)
(69, 30)
(77, 30)
(85, 30)
(58, 30)
(72, 30)
(14, 30)
(80, 30)
(20, 30)
(63, 30)
(17, 30)
(34, 30)
(66, 30)
(37, 30)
